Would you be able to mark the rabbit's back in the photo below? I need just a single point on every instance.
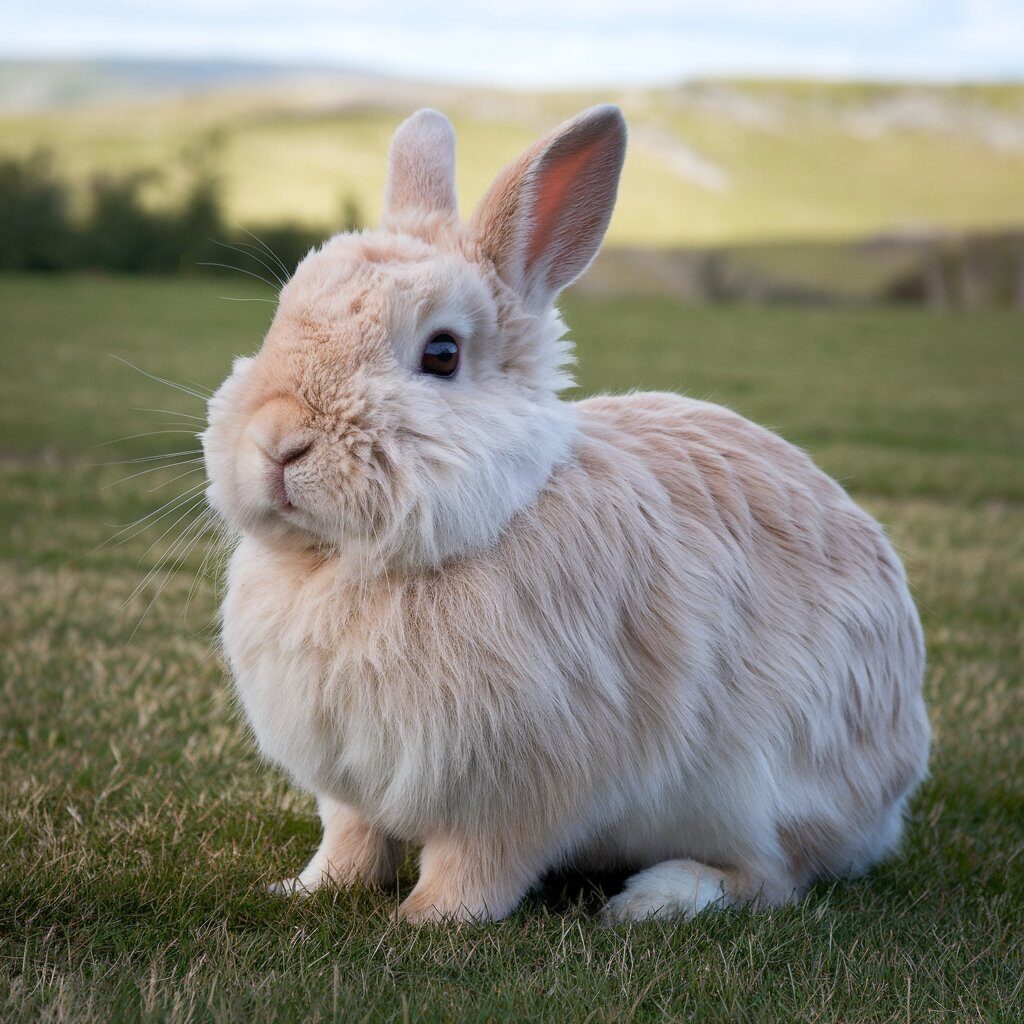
(804, 642)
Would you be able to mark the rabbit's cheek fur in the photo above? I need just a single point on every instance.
(279, 467)
(220, 443)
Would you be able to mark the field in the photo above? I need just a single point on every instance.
(138, 829)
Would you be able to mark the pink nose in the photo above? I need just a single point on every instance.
(290, 449)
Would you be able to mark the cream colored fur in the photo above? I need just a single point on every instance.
(522, 632)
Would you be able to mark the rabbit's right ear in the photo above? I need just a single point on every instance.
(421, 167)
(542, 221)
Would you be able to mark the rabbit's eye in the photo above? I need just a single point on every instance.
(440, 356)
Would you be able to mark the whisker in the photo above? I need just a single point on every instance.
(161, 380)
(208, 655)
(280, 271)
(173, 412)
(236, 298)
(163, 559)
(151, 458)
(149, 433)
(152, 469)
(141, 524)
(270, 252)
(144, 523)
(167, 483)
(253, 256)
(178, 562)
(228, 266)
(207, 393)
(197, 500)
(200, 574)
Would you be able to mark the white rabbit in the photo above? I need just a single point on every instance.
(522, 632)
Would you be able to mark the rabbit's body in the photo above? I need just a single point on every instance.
(524, 632)
(692, 644)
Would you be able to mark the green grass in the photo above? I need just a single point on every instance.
(797, 161)
(138, 828)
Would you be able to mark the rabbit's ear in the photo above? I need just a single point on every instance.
(542, 221)
(421, 167)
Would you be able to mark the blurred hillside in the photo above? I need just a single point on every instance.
(739, 165)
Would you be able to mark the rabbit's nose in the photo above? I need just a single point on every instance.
(291, 449)
(280, 432)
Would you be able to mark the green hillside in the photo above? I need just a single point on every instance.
(709, 163)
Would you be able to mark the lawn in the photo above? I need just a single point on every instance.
(139, 830)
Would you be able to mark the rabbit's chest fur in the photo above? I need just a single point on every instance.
(304, 661)
(689, 609)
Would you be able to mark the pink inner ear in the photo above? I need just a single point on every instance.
(552, 188)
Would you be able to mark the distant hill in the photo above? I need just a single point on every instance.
(34, 85)
(710, 162)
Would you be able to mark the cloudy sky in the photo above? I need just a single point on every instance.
(547, 42)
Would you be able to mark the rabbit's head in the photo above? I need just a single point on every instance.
(404, 404)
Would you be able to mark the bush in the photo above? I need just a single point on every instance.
(120, 233)
(35, 231)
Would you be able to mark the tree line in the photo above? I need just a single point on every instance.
(118, 231)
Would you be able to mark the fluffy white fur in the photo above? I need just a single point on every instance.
(521, 632)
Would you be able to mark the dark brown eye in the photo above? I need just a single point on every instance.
(440, 356)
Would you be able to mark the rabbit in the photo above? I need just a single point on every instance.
(523, 633)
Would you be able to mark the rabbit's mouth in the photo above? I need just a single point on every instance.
(277, 487)
(310, 499)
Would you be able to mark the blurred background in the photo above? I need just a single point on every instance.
(789, 151)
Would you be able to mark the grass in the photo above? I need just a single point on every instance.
(787, 160)
(138, 828)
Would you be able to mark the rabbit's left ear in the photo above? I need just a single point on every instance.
(421, 167)
(543, 219)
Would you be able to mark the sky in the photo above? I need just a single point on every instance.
(546, 42)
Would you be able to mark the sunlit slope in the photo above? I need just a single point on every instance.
(708, 163)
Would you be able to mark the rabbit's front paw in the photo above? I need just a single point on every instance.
(286, 887)
(352, 850)
(462, 881)
(423, 908)
(294, 887)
